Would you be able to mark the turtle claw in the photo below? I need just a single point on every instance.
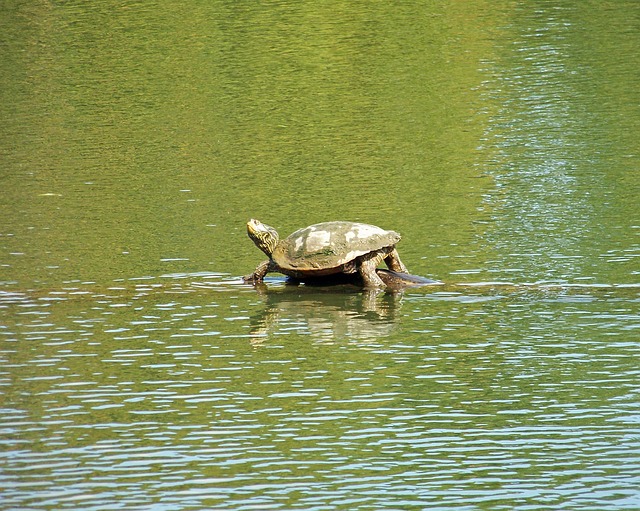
(251, 279)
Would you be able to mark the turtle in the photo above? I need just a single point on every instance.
(326, 248)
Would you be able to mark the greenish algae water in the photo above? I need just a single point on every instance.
(138, 372)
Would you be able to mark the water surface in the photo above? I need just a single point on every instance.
(137, 370)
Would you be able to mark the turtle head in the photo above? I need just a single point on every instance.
(264, 236)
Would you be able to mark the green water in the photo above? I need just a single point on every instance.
(500, 139)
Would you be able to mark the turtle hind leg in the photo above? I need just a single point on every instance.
(394, 263)
(261, 270)
(367, 270)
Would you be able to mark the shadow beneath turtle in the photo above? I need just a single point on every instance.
(394, 280)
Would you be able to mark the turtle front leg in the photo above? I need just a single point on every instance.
(367, 270)
(261, 270)
(394, 263)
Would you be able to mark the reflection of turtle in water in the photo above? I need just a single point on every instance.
(326, 249)
(333, 313)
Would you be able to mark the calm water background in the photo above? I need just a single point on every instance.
(500, 138)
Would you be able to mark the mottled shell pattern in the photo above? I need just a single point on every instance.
(330, 244)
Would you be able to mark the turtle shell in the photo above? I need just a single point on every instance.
(321, 247)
